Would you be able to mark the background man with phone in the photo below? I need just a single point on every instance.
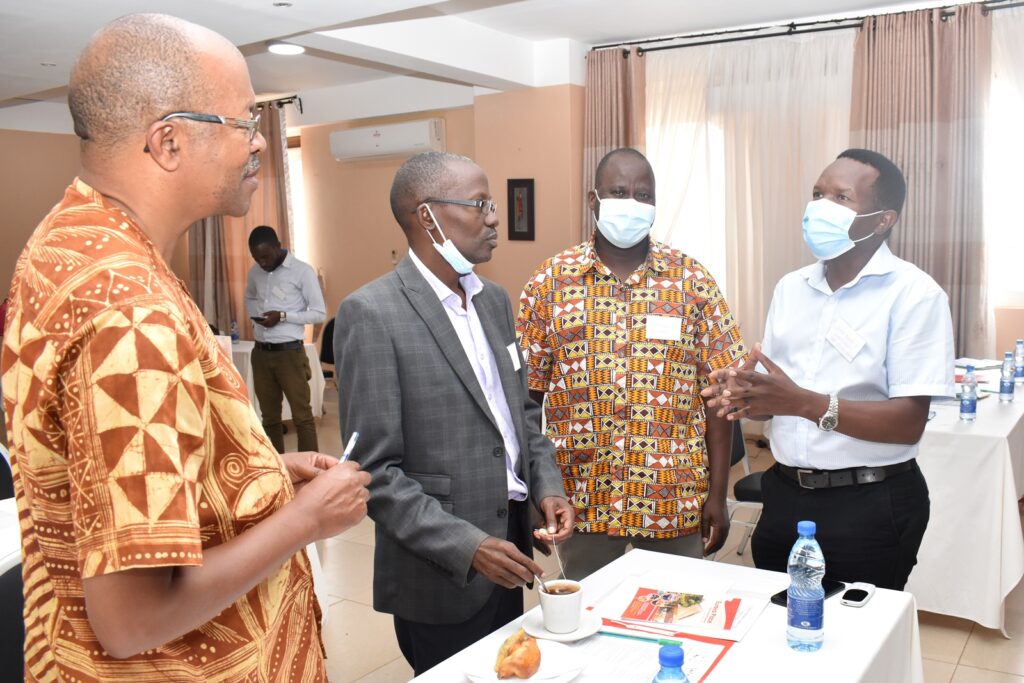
(282, 296)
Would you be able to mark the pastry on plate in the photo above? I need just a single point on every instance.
(518, 656)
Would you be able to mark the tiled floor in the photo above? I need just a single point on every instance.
(361, 644)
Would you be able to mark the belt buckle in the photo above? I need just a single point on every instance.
(800, 472)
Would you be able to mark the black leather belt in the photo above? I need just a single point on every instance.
(824, 479)
(283, 346)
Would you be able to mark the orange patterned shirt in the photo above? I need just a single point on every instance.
(133, 444)
(623, 364)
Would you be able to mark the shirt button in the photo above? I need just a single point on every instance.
(502, 512)
(499, 452)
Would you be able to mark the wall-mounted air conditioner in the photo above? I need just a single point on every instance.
(392, 140)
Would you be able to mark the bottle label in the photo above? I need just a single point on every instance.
(805, 613)
(1019, 370)
(968, 406)
(1006, 386)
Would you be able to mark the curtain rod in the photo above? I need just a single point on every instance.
(280, 102)
(793, 28)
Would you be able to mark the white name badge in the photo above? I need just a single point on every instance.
(666, 327)
(513, 352)
(845, 339)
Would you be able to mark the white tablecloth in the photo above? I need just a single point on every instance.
(241, 354)
(877, 642)
(972, 554)
(10, 535)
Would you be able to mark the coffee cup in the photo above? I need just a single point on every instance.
(561, 602)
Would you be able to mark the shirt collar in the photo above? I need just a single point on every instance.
(471, 284)
(882, 262)
(656, 257)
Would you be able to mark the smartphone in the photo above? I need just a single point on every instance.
(858, 594)
(831, 587)
(257, 318)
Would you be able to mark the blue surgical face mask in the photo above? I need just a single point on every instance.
(624, 222)
(827, 228)
(447, 249)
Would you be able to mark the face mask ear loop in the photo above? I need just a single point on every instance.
(436, 225)
(865, 215)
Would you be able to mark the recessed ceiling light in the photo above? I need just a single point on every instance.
(47, 63)
(279, 48)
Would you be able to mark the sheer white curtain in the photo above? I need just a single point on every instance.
(1004, 152)
(737, 134)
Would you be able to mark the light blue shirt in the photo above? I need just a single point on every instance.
(292, 288)
(885, 334)
(471, 334)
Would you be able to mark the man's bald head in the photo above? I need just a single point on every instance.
(424, 176)
(622, 153)
(134, 71)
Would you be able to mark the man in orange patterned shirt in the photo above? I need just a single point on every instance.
(162, 535)
(621, 334)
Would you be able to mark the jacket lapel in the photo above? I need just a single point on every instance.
(431, 311)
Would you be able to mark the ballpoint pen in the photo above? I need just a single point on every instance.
(350, 446)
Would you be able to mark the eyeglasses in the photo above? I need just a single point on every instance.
(252, 125)
(486, 206)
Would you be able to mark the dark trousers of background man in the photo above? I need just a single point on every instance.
(427, 645)
(284, 373)
(868, 532)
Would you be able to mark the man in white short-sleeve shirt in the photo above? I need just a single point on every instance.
(855, 346)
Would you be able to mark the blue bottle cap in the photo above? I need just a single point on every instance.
(806, 528)
(670, 655)
(970, 368)
(1009, 354)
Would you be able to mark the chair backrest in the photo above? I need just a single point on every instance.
(739, 445)
(6, 479)
(327, 343)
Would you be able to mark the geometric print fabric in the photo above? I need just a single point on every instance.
(134, 445)
(623, 402)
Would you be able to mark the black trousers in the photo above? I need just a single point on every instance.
(426, 645)
(868, 532)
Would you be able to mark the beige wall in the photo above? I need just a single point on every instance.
(532, 133)
(36, 169)
(352, 233)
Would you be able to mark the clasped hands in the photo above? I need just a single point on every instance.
(744, 392)
(501, 562)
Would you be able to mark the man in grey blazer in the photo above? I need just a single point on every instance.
(430, 375)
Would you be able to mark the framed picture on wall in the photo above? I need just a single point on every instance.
(520, 209)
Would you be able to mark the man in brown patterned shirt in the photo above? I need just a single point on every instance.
(162, 534)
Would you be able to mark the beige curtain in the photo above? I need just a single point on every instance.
(614, 113)
(208, 271)
(737, 134)
(269, 207)
(919, 96)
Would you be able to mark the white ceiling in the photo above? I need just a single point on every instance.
(466, 42)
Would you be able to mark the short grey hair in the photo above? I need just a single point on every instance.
(134, 71)
(424, 176)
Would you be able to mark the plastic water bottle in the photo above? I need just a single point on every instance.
(1018, 362)
(969, 396)
(805, 598)
(1006, 379)
(234, 332)
(670, 657)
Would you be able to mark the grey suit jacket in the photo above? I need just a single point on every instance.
(430, 443)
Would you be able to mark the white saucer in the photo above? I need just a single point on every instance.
(589, 625)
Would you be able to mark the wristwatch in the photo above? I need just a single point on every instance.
(830, 420)
(284, 315)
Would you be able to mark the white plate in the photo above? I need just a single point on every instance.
(590, 623)
(557, 665)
